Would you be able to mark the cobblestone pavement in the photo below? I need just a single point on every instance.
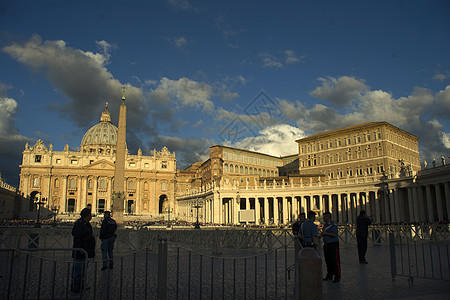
(372, 281)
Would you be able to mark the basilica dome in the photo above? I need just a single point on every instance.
(101, 135)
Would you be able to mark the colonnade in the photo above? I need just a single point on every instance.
(395, 201)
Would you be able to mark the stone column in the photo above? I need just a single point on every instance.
(64, 199)
(421, 201)
(393, 205)
(79, 206)
(416, 205)
(275, 211)
(447, 197)
(108, 199)
(257, 211)
(139, 198)
(217, 209)
(266, 210)
(340, 210)
(439, 205)
(429, 201)
(84, 192)
(235, 208)
(387, 206)
(349, 209)
(377, 207)
(285, 209)
(411, 205)
(295, 210)
(303, 205)
(94, 193)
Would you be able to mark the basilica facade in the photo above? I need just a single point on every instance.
(71, 180)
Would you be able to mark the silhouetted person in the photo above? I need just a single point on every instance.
(108, 237)
(331, 248)
(82, 238)
(362, 231)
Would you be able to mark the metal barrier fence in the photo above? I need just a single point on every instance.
(234, 275)
(37, 273)
(419, 259)
(129, 240)
(172, 272)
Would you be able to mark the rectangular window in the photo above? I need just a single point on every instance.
(58, 161)
(37, 158)
(91, 161)
(132, 164)
(146, 165)
(164, 165)
(74, 162)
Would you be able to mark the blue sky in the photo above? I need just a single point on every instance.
(250, 74)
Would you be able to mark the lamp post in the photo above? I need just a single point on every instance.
(197, 206)
(39, 203)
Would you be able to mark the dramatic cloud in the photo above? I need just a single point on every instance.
(339, 91)
(82, 78)
(11, 141)
(442, 107)
(276, 140)
(186, 92)
(187, 150)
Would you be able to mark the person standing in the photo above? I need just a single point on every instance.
(84, 239)
(108, 237)
(308, 231)
(331, 248)
(362, 231)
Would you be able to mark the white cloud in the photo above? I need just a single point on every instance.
(441, 76)
(339, 91)
(442, 107)
(291, 57)
(187, 92)
(276, 140)
(269, 60)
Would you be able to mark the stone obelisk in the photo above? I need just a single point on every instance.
(118, 195)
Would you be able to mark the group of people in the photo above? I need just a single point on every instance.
(306, 231)
(83, 238)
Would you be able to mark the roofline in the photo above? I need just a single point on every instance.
(248, 151)
(353, 127)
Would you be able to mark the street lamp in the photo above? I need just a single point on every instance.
(39, 203)
(197, 206)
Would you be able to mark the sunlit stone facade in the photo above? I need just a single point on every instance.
(74, 179)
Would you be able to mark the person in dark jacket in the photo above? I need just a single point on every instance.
(108, 236)
(84, 239)
(362, 230)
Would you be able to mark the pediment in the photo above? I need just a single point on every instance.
(102, 164)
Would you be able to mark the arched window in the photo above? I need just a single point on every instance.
(56, 185)
(226, 167)
(264, 173)
(271, 173)
(131, 185)
(102, 184)
(163, 186)
(242, 170)
(90, 184)
(145, 186)
(246, 170)
(231, 168)
(250, 171)
(36, 181)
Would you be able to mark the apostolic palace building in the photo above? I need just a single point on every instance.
(373, 166)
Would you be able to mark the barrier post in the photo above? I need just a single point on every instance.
(310, 275)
